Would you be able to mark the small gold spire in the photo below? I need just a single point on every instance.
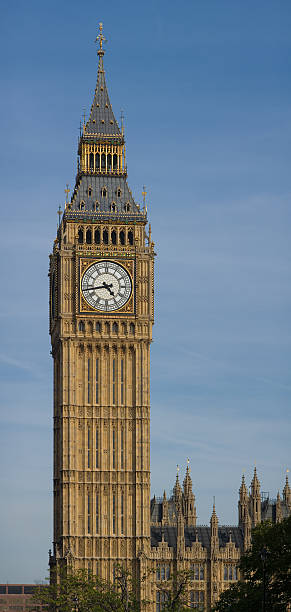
(178, 470)
(144, 193)
(100, 38)
(67, 191)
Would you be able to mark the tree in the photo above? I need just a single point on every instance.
(78, 592)
(267, 561)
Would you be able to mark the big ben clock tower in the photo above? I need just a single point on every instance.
(101, 317)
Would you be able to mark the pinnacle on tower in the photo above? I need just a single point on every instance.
(189, 499)
(243, 494)
(287, 492)
(255, 484)
(177, 491)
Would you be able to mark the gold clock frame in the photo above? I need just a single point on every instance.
(126, 309)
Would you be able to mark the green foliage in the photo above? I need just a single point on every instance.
(275, 540)
(78, 592)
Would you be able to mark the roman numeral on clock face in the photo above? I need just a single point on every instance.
(106, 286)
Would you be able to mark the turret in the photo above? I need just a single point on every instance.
(242, 502)
(165, 510)
(189, 500)
(279, 513)
(255, 500)
(287, 494)
(177, 491)
(214, 530)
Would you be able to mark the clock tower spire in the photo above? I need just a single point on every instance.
(101, 317)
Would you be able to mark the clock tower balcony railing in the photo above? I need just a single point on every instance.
(103, 172)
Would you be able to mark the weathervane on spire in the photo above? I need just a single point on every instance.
(101, 39)
(144, 193)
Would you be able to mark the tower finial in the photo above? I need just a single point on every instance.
(101, 39)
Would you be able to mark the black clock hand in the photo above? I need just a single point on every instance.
(103, 286)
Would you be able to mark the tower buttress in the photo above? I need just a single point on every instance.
(180, 532)
(247, 530)
(214, 530)
(279, 513)
(177, 491)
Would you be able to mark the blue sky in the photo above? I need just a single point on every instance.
(205, 88)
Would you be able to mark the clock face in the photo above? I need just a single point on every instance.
(106, 286)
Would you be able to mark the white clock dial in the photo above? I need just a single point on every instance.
(106, 286)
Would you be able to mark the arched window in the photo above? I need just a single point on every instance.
(91, 161)
(130, 237)
(89, 236)
(113, 237)
(80, 236)
(105, 237)
(122, 237)
(97, 205)
(82, 205)
(107, 328)
(118, 192)
(97, 161)
(127, 207)
(81, 326)
(97, 236)
(103, 192)
(113, 207)
(103, 161)
(132, 328)
(109, 161)
(124, 328)
(115, 328)
(89, 191)
(98, 327)
(114, 161)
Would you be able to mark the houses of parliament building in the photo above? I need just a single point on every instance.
(101, 319)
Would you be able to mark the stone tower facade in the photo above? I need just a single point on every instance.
(101, 317)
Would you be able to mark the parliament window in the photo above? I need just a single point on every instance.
(163, 572)
(230, 572)
(197, 599)
(97, 513)
(97, 236)
(89, 381)
(113, 449)
(161, 599)
(197, 572)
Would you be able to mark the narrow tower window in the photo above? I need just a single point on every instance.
(103, 162)
(122, 237)
(97, 236)
(122, 381)
(89, 381)
(91, 161)
(98, 327)
(114, 161)
(88, 447)
(97, 379)
(130, 238)
(81, 326)
(97, 448)
(109, 162)
(97, 513)
(122, 513)
(113, 237)
(89, 512)
(122, 449)
(89, 236)
(97, 161)
(80, 236)
(113, 207)
(114, 449)
(105, 237)
(114, 513)
(132, 328)
(113, 380)
(115, 328)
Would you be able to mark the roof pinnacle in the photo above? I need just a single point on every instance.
(100, 38)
